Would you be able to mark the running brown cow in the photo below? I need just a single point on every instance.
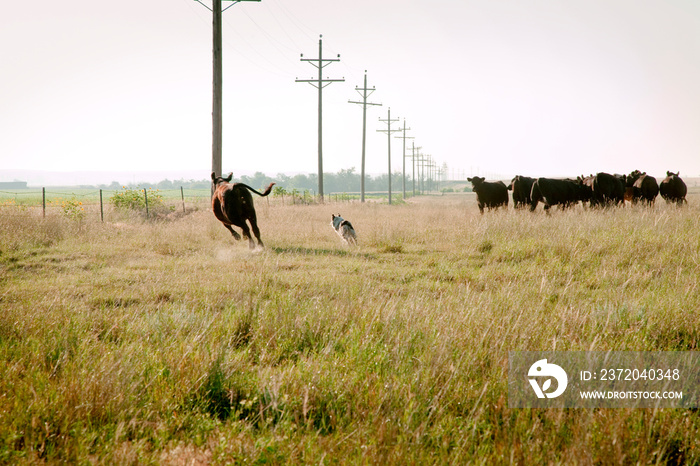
(233, 205)
(673, 189)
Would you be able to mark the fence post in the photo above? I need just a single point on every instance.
(102, 212)
(182, 194)
(43, 201)
(145, 196)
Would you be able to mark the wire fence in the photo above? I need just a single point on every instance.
(91, 202)
(149, 203)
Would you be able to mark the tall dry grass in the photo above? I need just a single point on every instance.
(169, 342)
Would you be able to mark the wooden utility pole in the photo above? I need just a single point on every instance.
(319, 83)
(388, 132)
(430, 177)
(217, 84)
(404, 137)
(217, 98)
(421, 171)
(364, 94)
(413, 162)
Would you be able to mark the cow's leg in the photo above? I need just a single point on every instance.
(246, 234)
(236, 236)
(256, 231)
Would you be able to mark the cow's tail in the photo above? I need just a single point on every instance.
(267, 191)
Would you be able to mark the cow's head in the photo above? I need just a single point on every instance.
(671, 174)
(219, 179)
(634, 176)
(477, 180)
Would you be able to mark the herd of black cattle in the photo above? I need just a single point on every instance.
(601, 189)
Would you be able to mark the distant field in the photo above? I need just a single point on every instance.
(32, 197)
(167, 342)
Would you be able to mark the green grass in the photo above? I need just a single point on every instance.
(168, 342)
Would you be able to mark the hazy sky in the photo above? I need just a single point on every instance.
(536, 87)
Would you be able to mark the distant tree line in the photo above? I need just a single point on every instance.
(344, 181)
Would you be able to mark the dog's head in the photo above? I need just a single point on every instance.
(336, 220)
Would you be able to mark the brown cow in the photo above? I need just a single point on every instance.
(233, 205)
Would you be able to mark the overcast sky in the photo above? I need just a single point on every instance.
(534, 87)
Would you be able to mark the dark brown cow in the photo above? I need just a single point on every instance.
(491, 195)
(233, 205)
(673, 189)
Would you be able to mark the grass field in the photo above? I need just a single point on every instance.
(167, 342)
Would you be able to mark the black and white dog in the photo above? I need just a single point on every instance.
(344, 229)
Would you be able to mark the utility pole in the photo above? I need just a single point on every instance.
(217, 84)
(364, 94)
(388, 132)
(431, 174)
(404, 137)
(413, 162)
(319, 83)
(421, 169)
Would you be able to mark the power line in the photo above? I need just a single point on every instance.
(294, 20)
(282, 28)
(271, 67)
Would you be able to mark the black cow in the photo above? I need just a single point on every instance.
(489, 194)
(233, 205)
(586, 188)
(673, 189)
(644, 187)
(551, 192)
(521, 187)
(608, 189)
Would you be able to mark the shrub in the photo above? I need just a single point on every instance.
(73, 209)
(279, 191)
(134, 199)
